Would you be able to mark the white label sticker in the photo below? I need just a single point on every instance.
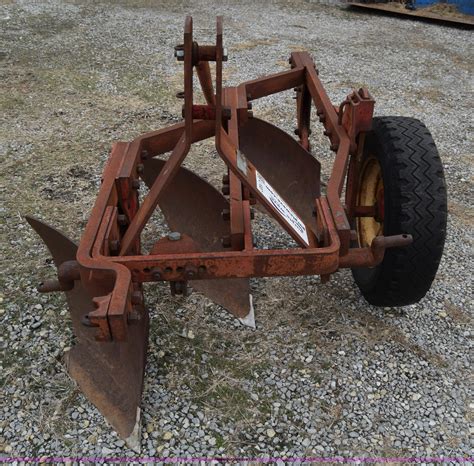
(282, 207)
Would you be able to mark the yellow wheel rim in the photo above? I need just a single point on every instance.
(371, 194)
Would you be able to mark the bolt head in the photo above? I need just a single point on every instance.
(190, 271)
(122, 219)
(85, 320)
(134, 316)
(137, 298)
(174, 236)
(225, 214)
(114, 245)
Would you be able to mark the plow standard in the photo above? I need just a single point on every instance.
(383, 215)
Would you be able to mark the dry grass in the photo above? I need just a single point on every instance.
(457, 314)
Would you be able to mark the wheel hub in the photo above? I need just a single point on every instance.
(371, 194)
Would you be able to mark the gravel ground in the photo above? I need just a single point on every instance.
(324, 373)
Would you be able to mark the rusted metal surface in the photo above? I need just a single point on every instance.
(211, 245)
(182, 205)
(110, 374)
(289, 168)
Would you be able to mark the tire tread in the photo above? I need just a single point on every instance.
(418, 206)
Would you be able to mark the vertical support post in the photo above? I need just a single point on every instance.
(303, 114)
(235, 185)
(204, 74)
(177, 156)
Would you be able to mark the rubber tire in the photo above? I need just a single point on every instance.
(415, 203)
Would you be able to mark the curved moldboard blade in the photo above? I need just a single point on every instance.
(193, 207)
(291, 170)
(62, 248)
(110, 374)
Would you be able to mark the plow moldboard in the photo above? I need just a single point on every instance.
(110, 374)
(193, 207)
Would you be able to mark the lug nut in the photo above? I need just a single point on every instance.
(156, 273)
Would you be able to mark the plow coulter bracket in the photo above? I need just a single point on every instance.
(211, 246)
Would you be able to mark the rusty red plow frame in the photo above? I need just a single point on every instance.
(210, 244)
